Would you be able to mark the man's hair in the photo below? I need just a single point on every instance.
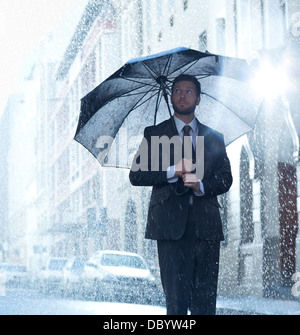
(188, 77)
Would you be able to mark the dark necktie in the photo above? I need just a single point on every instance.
(187, 144)
(189, 153)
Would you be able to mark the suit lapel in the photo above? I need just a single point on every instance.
(170, 131)
(208, 152)
(170, 128)
(202, 129)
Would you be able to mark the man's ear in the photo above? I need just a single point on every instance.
(198, 101)
(171, 99)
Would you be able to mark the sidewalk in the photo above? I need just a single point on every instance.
(256, 306)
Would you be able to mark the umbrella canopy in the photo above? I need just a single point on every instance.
(113, 116)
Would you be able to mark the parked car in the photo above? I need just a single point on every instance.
(119, 276)
(13, 275)
(72, 273)
(51, 276)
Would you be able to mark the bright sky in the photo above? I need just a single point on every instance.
(23, 25)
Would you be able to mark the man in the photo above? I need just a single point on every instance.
(183, 212)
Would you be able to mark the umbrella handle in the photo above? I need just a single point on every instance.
(161, 80)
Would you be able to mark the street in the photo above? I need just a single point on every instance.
(32, 302)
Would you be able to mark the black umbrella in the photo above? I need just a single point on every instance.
(114, 115)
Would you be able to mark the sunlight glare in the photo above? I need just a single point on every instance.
(270, 82)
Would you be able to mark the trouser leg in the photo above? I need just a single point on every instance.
(189, 273)
(176, 261)
(205, 279)
(176, 275)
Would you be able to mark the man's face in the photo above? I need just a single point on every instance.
(184, 98)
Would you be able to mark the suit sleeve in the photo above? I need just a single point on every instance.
(219, 180)
(140, 173)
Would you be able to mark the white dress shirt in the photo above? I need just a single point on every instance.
(193, 132)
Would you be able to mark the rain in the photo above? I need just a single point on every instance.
(72, 227)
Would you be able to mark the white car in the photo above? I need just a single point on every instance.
(72, 273)
(51, 277)
(13, 275)
(119, 276)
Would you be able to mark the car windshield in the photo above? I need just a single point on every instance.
(57, 264)
(12, 268)
(122, 260)
(78, 263)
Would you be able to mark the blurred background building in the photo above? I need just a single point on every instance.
(58, 201)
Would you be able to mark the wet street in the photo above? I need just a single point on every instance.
(32, 302)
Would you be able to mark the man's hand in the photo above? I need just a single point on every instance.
(183, 170)
(183, 166)
(191, 180)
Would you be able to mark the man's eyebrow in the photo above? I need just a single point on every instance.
(189, 87)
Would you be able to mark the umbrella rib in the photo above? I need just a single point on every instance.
(158, 100)
(139, 82)
(128, 93)
(200, 76)
(168, 65)
(131, 92)
(155, 75)
(151, 71)
(134, 94)
(191, 64)
(220, 102)
(159, 96)
(140, 102)
(137, 105)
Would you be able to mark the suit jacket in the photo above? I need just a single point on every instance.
(168, 212)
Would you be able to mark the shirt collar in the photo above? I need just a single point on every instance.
(180, 124)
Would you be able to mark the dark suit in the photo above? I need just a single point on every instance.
(171, 220)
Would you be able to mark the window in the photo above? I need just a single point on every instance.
(122, 261)
(159, 36)
(220, 35)
(172, 21)
(74, 161)
(284, 14)
(185, 4)
(203, 41)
